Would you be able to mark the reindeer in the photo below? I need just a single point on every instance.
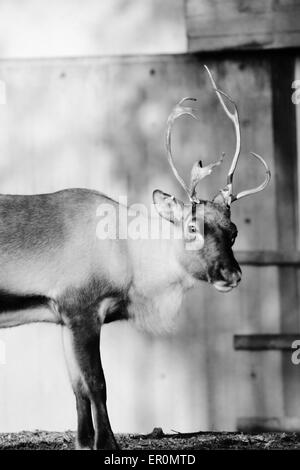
(55, 269)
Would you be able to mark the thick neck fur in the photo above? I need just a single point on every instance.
(159, 282)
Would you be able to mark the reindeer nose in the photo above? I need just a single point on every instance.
(230, 276)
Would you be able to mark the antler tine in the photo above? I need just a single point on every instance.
(234, 117)
(198, 172)
(227, 192)
(178, 111)
(259, 188)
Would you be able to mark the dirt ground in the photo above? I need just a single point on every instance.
(42, 440)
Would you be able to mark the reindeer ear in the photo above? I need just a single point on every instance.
(168, 206)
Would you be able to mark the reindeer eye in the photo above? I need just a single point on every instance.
(192, 228)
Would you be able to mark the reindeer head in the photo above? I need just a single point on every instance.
(206, 226)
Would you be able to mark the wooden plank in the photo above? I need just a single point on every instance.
(282, 342)
(234, 24)
(268, 258)
(259, 424)
(285, 154)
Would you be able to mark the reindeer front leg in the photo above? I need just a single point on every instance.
(90, 388)
(85, 428)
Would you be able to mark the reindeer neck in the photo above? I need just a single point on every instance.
(156, 262)
(159, 283)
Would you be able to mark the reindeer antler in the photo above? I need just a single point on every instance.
(227, 192)
(198, 172)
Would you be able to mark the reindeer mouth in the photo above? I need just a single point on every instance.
(222, 286)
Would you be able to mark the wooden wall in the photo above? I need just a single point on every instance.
(242, 24)
(271, 28)
(99, 123)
